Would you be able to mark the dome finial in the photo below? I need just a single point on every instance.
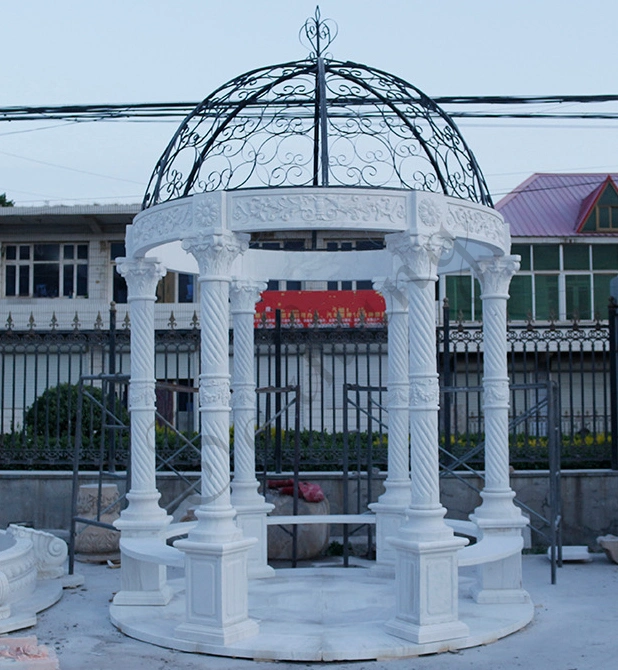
(318, 34)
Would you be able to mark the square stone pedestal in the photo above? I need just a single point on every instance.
(426, 580)
(251, 519)
(142, 583)
(217, 587)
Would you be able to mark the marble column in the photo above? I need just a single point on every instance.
(251, 508)
(390, 510)
(426, 571)
(142, 583)
(497, 515)
(216, 554)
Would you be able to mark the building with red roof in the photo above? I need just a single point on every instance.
(565, 228)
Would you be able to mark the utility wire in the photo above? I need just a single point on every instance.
(171, 110)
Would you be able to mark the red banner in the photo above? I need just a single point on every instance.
(321, 308)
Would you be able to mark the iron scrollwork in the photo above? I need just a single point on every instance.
(317, 122)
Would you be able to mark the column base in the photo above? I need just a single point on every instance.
(427, 587)
(419, 634)
(222, 636)
(251, 519)
(142, 583)
(498, 511)
(389, 519)
(217, 592)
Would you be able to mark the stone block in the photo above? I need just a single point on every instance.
(312, 539)
(609, 544)
(94, 543)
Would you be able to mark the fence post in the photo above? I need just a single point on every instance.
(613, 354)
(446, 374)
(111, 397)
(278, 456)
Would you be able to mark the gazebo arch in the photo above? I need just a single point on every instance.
(224, 181)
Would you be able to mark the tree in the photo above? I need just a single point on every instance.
(5, 202)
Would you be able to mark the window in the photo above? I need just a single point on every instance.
(606, 217)
(464, 297)
(119, 285)
(176, 287)
(46, 270)
(520, 298)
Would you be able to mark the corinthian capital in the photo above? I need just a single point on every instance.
(395, 293)
(215, 252)
(142, 275)
(244, 293)
(495, 274)
(419, 254)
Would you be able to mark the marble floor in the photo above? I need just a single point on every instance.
(322, 614)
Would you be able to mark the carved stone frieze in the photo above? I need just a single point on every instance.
(161, 225)
(462, 221)
(319, 207)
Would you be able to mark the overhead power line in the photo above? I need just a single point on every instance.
(172, 110)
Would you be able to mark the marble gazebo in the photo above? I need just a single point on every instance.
(341, 149)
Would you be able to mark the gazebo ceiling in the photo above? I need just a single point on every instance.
(317, 122)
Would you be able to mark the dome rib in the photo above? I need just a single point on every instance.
(317, 122)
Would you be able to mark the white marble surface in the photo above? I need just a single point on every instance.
(321, 614)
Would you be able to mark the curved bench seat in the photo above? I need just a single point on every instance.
(490, 549)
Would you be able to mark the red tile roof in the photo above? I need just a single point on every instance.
(550, 204)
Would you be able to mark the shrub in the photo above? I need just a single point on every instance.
(54, 413)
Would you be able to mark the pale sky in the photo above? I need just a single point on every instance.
(57, 52)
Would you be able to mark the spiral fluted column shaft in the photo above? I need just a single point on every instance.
(396, 298)
(495, 276)
(215, 252)
(142, 276)
(243, 296)
(424, 464)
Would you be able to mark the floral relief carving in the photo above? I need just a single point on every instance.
(320, 208)
(214, 393)
(429, 213)
(398, 396)
(207, 211)
(141, 396)
(465, 221)
(424, 392)
(169, 223)
(496, 393)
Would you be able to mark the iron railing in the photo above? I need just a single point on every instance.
(39, 372)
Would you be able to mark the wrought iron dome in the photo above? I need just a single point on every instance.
(317, 122)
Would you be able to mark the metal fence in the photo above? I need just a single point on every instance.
(39, 372)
